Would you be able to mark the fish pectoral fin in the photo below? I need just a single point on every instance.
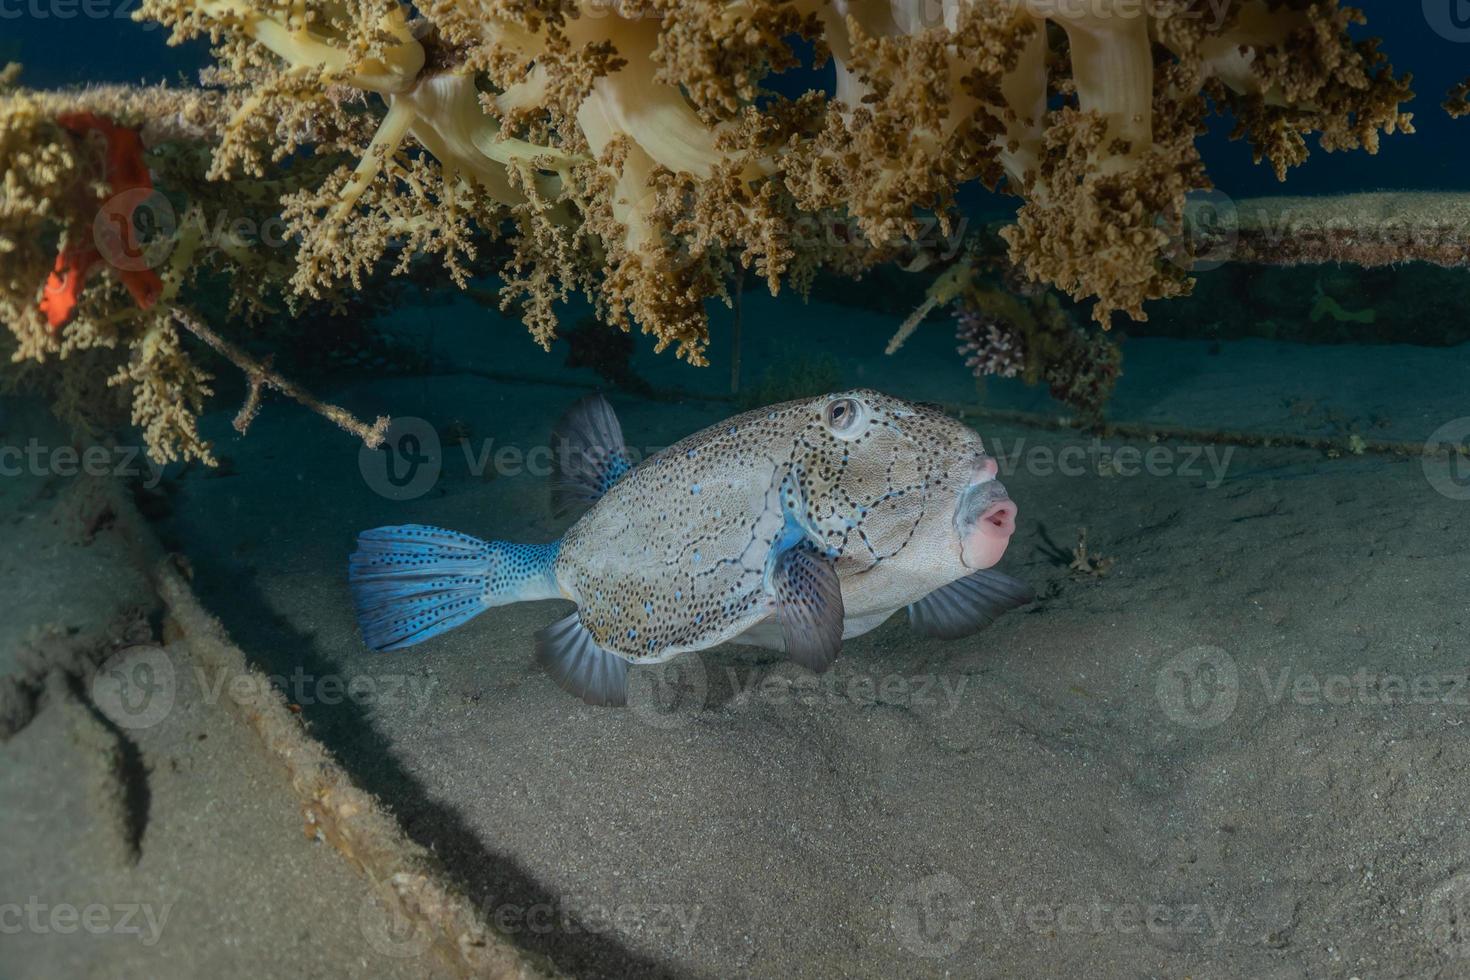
(580, 666)
(588, 455)
(808, 607)
(968, 605)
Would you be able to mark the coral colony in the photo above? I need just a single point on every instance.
(629, 151)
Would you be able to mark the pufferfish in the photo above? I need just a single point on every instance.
(792, 527)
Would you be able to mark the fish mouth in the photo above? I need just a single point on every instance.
(984, 518)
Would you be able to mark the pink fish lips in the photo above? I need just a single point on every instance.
(984, 518)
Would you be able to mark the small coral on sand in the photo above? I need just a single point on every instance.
(1025, 332)
(989, 346)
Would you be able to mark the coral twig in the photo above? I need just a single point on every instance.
(259, 376)
(946, 287)
(1086, 563)
(1457, 102)
(735, 300)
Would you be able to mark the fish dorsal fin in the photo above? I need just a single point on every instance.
(580, 666)
(968, 605)
(588, 455)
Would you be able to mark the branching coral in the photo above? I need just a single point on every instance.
(1005, 335)
(990, 347)
(629, 150)
(56, 211)
(86, 279)
(1107, 192)
(1457, 100)
(1012, 329)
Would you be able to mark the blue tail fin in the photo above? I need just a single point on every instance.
(412, 582)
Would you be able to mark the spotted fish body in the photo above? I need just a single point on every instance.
(792, 527)
(674, 557)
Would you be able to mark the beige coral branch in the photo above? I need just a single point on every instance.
(945, 289)
(258, 376)
(641, 122)
(632, 152)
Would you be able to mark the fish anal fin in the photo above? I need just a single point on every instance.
(580, 666)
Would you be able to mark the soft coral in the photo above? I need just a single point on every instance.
(127, 177)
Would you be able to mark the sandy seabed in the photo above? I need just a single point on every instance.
(1239, 752)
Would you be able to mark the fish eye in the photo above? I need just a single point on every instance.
(844, 417)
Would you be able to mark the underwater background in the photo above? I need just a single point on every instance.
(1228, 740)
